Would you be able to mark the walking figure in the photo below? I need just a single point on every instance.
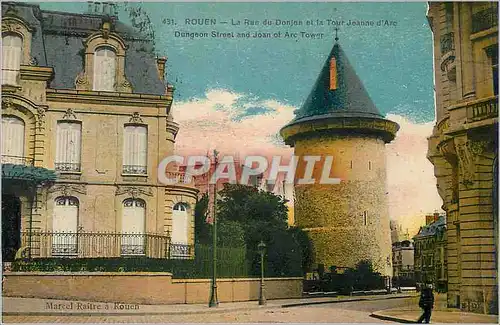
(426, 302)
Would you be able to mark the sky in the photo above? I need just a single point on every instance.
(234, 94)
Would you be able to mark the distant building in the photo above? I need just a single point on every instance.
(403, 259)
(397, 232)
(430, 253)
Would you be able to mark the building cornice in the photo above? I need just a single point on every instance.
(36, 73)
(385, 129)
(108, 98)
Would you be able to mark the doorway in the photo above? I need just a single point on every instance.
(11, 227)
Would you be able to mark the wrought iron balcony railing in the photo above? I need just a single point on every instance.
(17, 160)
(485, 19)
(103, 244)
(135, 169)
(67, 167)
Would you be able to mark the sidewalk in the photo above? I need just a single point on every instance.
(34, 306)
(404, 315)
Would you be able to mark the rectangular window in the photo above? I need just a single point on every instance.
(365, 217)
(11, 59)
(135, 150)
(370, 165)
(68, 146)
(12, 140)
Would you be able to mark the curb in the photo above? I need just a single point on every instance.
(192, 312)
(392, 318)
(340, 301)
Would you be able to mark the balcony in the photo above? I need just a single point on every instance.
(180, 178)
(135, 170)
(103, 244)
(482, 109)
(17, 160)
(67, 167)
(485, 19)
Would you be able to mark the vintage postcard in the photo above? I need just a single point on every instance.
(245, 162)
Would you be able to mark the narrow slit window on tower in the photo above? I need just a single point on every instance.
(365, 217)
(351, 164)
(369, 165)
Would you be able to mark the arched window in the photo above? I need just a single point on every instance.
(68, 146)
(179, 239)
(133, 227)
(65, 226)
(135, 149)
(12, 140)
(104, 69)
(12, 51)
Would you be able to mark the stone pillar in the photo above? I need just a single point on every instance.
(466, 57)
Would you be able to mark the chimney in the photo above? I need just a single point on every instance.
(160, 64)
(436, 216)
(429, 219)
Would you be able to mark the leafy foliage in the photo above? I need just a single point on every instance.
(263, 216)
(202, 231)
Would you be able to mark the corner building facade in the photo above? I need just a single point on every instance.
(83, 95)
(463, 147)
(347, 222)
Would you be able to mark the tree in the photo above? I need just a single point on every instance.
(202, 231)
(264, 216)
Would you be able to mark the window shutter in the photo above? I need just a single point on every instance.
(11, 59)
(179, 226)
(98, 66)
(126, 146)
(12, 137)
(109, 71)
(133, 226)
(104, 69)
(142, 146)
(74, 145)
(65, 218)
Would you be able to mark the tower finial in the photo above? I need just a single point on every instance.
(336, 34)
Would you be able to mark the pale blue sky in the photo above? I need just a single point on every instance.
(394, 63)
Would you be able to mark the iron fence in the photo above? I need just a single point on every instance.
(103, 244)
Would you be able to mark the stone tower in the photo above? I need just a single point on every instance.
(347, 222)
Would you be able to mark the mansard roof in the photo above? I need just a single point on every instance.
(58, 42)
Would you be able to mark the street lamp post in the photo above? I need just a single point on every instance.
(214, 302)
(262, 248)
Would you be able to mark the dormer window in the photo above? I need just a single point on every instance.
(104, 62)
(104, 69)
(12, 51)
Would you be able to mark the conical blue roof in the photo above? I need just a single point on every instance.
(349, 99)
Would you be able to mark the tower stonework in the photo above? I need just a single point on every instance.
(347, 222)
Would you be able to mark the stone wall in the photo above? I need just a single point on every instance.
(142, 288)
(347, 222)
